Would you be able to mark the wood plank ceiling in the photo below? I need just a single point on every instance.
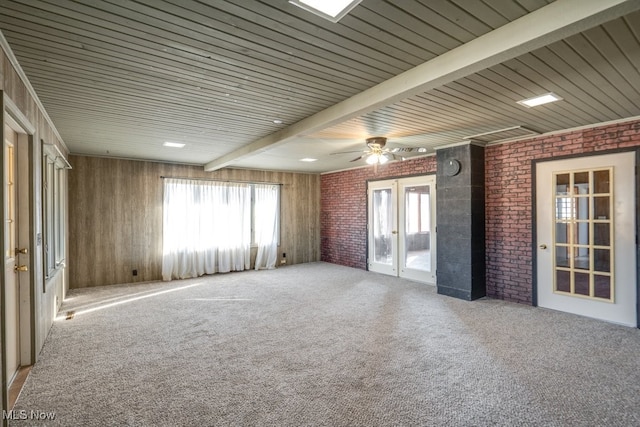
(120, 77)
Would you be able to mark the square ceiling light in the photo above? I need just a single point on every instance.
(539, 100)
(333, 10)
(173, 144)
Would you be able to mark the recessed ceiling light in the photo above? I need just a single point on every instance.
(539, 100)
(333, 10)
(277, 121)
(173, 144)
(308, 159)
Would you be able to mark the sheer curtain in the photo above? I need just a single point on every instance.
(206, 228)
(266, 218)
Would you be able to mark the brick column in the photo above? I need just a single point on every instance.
(460, 210)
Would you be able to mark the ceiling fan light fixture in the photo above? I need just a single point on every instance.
(372, 159)
(377, 158)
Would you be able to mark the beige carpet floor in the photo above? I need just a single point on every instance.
(320, 344)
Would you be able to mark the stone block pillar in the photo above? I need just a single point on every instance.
(461, 268)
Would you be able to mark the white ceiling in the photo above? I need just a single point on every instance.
(120, 77)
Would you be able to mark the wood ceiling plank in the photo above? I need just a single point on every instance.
(482, 12)
(509, 9)
(395, 13)
(413, 49)
(348, 75)
(150, 138)
(585, 74)
(145, 86)
(104, 93)
(546, 74)
(83, 106)
(444, 25)
(88, 33)
(627, 36)
(252, 36)
(486, 94)
(140, 66)
(620, 71)
(531, 5)
(548, 24)
(458, 15)
(346, 41)
(521, 88)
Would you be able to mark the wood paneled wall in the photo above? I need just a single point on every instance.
(115, 216)
(44, 295)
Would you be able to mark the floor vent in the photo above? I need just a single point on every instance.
(505, 134)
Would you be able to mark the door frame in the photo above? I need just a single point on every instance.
(433, 216)
(15, 119)
(534, 220)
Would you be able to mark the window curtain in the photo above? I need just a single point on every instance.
(266, 223)
(206, 228)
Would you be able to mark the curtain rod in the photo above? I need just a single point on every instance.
(221, 180)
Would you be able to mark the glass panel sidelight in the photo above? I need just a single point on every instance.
(417, 207)
(382, 226)
(583, 234)
(10, 208)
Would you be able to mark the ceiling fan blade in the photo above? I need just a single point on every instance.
(347, 152)
(408, 150)
(357, 158)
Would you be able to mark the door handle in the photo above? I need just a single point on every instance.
(394, 232)
(543, 246)
(19, 268)
(23, 251)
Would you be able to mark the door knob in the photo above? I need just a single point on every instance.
(543, 246)
(19, 268)
(23, 251)
(394, 232)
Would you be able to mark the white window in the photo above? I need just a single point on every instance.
(54, 181)
(209, 226)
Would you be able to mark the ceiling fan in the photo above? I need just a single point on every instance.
(378, 154)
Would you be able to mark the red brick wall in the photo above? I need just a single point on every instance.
(343, 208)
(508, 200)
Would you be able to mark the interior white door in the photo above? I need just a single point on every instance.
(402, 228)
(586, 253)
(11, 292)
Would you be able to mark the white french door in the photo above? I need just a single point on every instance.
(402, 228)
(586, 249)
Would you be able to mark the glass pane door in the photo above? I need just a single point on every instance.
(583, 234)
(586, 237)
(417, 242)
(401, 228)
(383, 227)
